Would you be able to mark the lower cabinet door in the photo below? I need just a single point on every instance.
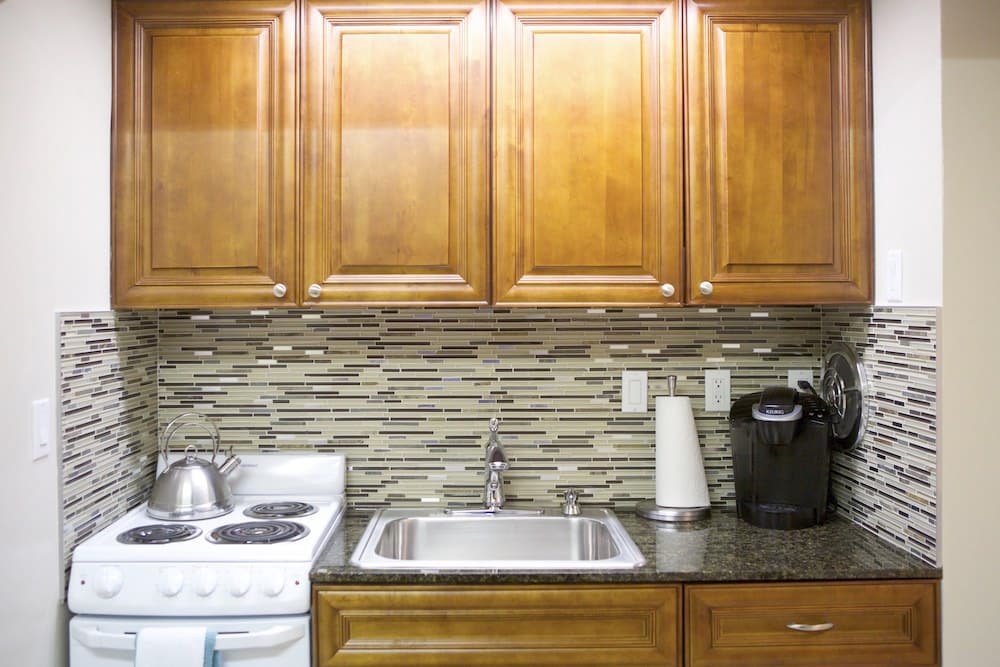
(474, 626)
(849, 624)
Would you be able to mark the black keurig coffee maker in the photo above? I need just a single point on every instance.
(781, 457)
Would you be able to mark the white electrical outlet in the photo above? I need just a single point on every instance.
(40, 429)
(634, 388)
(795, 375)
(717, 394)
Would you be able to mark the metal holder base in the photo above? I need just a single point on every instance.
(648, 509)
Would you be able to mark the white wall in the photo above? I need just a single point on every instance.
(54, 211)
(906, 64)
(970, 447)
(55, 91)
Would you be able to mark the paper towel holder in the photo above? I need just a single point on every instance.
(648, 509)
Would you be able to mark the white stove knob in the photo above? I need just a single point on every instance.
(271, 581)
(171, 581)
(239, 582)
(109, 582)
(205, 582)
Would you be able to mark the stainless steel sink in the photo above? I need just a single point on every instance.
(505, 540)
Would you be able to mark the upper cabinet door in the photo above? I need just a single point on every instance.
(588, 170)
(204, 154)
(779, 150)
(395, 100)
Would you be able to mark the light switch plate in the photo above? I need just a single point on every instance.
(634, 389)
(40, 435)
(894, 276)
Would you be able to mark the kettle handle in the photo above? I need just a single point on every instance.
(182, 420)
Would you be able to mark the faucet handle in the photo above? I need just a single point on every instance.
(571, 506)
(494, 425)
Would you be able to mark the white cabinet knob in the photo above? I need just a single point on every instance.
(109, 582)
(667, 290)
(705, 287)
(314, 291)
(171, 581)
(280, 290)
(204, 582)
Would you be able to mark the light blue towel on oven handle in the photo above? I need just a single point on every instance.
(212, 657)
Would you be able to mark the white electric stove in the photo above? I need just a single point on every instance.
(243, 575)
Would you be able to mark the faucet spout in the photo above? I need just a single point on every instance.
(496, 464)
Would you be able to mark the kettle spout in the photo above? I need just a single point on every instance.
(230, 464)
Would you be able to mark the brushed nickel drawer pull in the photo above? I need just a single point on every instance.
(802, 627)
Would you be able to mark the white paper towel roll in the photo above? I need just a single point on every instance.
(680, 473)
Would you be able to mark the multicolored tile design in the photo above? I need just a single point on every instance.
(107, 380)
(888, 484)
(407, 394)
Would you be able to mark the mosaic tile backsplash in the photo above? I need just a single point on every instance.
(107, 368)
(407, 395)
(888, 484)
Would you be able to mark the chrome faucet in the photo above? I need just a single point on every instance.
(496, 463)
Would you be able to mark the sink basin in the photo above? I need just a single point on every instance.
(432, 539)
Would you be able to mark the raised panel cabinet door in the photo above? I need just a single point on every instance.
(834, 624)
(588, 160)
(395, 152)
(203, 171)
(497, 626)
(779, 151)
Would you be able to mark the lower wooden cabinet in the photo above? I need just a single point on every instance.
(848, 624)
(761, 625)
(474, 626)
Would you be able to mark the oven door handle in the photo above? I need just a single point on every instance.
(276, 635)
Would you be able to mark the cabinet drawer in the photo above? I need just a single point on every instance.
(838, 624)
(475, 626)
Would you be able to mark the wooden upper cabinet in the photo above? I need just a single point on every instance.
(204, 154)
(395, 146)
(779, 151)
(588, 159)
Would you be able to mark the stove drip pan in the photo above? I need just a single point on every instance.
(258, 532)
(159, 533)
(280, 510)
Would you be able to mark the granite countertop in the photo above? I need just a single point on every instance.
(721, 548)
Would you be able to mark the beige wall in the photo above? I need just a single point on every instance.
(55, 87)
(969, 443)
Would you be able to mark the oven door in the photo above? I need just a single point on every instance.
(257, 641)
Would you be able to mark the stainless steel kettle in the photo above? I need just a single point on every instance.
(191, 488)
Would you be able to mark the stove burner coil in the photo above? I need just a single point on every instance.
(258, 532)
(280, 510)
(159, 533)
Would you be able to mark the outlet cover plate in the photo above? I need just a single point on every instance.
(717, 391)
(795, 375)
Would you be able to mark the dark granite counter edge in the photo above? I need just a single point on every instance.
(720, 549)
